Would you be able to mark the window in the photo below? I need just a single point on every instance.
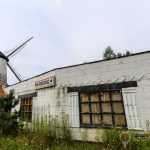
(26, 109)
(104, 108)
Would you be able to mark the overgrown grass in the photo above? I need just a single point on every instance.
(19, 143)
(52, 133)
(136, 141)
(39, 140)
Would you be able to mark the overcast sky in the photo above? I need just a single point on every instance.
(68, 32)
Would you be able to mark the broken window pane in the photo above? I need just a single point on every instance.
(85, 108)
(84, 97)
(94, 97)
(107, 119)
(85, 118)
(105, 96)
(95, 108)
(119, 119)
(106, 107)
(118, 107)
(116, 95)
(96, 119)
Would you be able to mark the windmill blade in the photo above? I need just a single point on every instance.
(11, 56)
(14, 72)
(16, 50)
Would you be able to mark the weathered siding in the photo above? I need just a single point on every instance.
(135, 68)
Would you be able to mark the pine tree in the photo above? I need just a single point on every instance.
(8, 119)
(108, 53)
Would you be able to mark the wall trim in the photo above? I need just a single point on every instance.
(109, 86)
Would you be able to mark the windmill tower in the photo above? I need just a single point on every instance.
(4, 62)
(3, 69)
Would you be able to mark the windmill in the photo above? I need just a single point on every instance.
(11, 54)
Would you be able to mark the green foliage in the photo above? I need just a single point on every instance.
(8, 119)
(111, 139)
(65, 132)
(128, 53)
(109, 53)
(99, 134)
(21, 143)
(47, 129)
(84, 135)
(118, 55)
(139, 141)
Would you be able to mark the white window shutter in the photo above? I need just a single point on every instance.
(74, 110)
(131, 108)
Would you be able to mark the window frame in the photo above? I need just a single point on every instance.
(22, 105)
(100, 102)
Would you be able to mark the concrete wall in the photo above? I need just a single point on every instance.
(3, 72)
(135, 68)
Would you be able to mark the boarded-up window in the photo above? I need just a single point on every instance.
(94, 97)
(95, 108)
(26, 109)
(86, 119)
(107, 119)
(96, 119)
(116, 96)
(85, 108)
(105, 96)
(104, 108)
(119, 119)
(84, 97)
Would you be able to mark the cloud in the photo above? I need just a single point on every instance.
(68, 32)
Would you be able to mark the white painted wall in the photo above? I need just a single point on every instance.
(135, 67)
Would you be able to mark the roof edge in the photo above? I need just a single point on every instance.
(134, 54)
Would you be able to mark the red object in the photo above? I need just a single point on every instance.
(2, 93)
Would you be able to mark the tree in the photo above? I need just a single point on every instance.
(118, 55)
(8, 119)
(128, 53)
(108, 53)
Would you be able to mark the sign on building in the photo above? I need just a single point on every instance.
(44, 83)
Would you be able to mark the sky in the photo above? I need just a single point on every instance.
(68, 32)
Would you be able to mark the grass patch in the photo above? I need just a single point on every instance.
(22, 143)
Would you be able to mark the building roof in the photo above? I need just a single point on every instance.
(2, 93)
(3, 56)
(133, 54)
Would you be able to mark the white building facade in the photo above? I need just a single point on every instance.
(103, 93)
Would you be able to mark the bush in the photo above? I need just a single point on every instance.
(65, 132)
(8, 120)
(111, 139)
(139, 141)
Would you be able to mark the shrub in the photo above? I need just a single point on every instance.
(139, 141)
(111, 139)
(84, 135)
(8, 120)
(65, 132)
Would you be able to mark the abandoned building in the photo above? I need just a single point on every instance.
(105, 93)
